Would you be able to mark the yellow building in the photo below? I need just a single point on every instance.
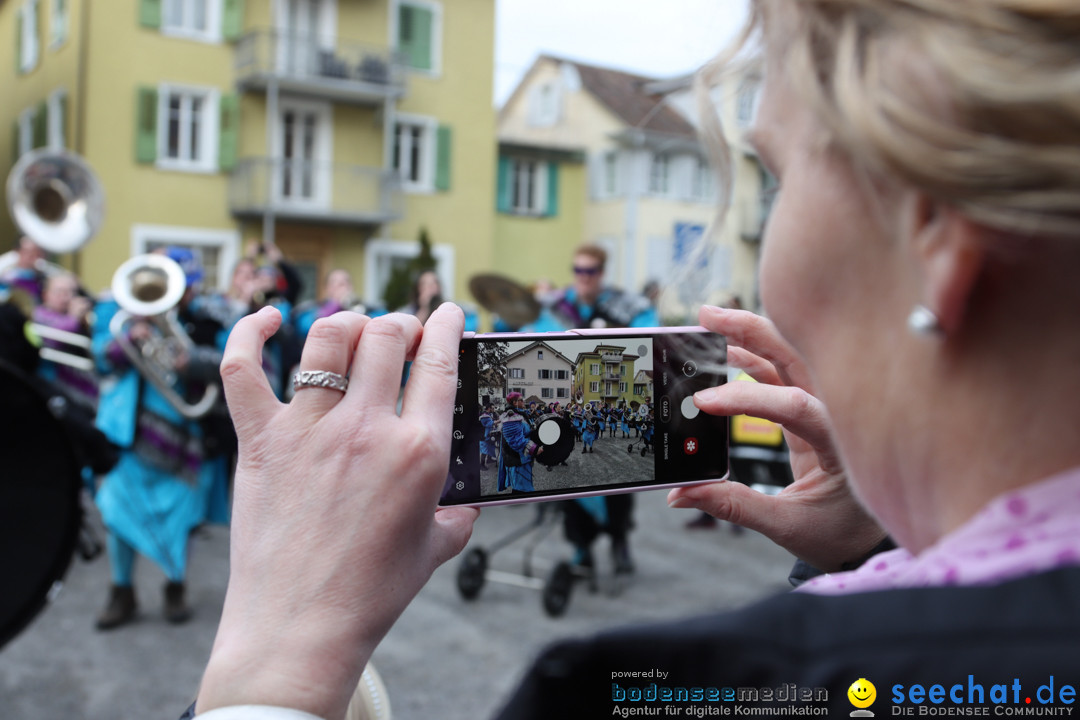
(337, 129)
(605, 375)
(649, 193)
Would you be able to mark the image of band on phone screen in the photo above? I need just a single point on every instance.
(591, 412)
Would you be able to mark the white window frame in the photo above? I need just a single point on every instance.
(425, 182)
(325, 34)
(54, 132)
(515, 373)
(210, 34)
(436, 9)
(227, 243)
(26, 130)
(594, 386)
(660, 174)
(59, 20)
(209, 133)
(29, 44)
(324, 152)
(609, 169)
(545, 104)
(702, 183)
(378, 261)
(594, 368)
(536, 203)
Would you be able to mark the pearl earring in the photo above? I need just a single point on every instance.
(922, 321)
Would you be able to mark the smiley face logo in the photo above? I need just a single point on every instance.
(862, 693)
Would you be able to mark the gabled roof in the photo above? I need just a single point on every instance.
(629, 97)
(537, 344)
(636, 100)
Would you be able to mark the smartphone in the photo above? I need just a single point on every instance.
(550, 416)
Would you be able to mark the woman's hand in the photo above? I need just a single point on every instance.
(816, 517)
(335, 527)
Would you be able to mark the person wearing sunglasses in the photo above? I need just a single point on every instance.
(589, 303)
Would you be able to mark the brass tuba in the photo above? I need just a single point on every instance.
(150, 287)
(57, 201)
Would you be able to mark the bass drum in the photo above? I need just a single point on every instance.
(40, 511)
(556, 435)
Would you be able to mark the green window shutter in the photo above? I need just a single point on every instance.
(414, 35)
(444, 139)
(18, 41)
(41, 125)
(228, 133)
(63, 120)
(552, 189)
(146, 101)
(150, 13)
(232, 21)
(503, 200)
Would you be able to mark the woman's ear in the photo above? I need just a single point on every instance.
(950, 253)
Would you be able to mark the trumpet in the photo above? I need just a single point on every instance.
(55, 198)
(150, 287)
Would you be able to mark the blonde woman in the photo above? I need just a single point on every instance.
(920, 266)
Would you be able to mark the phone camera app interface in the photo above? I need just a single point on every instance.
(544, 416)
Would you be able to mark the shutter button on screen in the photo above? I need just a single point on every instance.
(688, 408)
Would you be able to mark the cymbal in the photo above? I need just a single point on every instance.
(512, 302)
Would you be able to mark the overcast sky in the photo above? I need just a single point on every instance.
(660, 38)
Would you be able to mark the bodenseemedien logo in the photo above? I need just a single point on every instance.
(862, 695)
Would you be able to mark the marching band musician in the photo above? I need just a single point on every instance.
(487, 421)
(164, 485)
(338, 294)
(518, 451)
(64, 308)
(24, 274)
(588, 302)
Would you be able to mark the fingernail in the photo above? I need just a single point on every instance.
(705, 396)
(680, 502)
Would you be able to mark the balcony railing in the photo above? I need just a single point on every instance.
(320, 66)
(611, 358)
(327, 193)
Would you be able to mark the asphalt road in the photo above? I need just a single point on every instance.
(446, 658)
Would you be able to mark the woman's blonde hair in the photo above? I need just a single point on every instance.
(975, 102)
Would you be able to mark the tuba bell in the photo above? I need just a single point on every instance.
(150, 287)
(57, 201)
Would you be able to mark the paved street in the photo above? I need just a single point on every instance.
(608, 463)
(446, 658)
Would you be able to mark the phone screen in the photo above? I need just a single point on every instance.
(584, 412)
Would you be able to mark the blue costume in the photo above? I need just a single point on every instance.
(613, 308)
(488, 423)
(516, 458)
(588, 437)
(162, 488)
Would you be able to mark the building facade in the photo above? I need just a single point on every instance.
(605, 375)
(337, 129)
(540, 373)
(649, 194)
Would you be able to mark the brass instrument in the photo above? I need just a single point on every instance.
(512, 302)
(58, 202)
(56, 199)
(150, 287)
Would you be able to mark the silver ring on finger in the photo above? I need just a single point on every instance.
(320, 379)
